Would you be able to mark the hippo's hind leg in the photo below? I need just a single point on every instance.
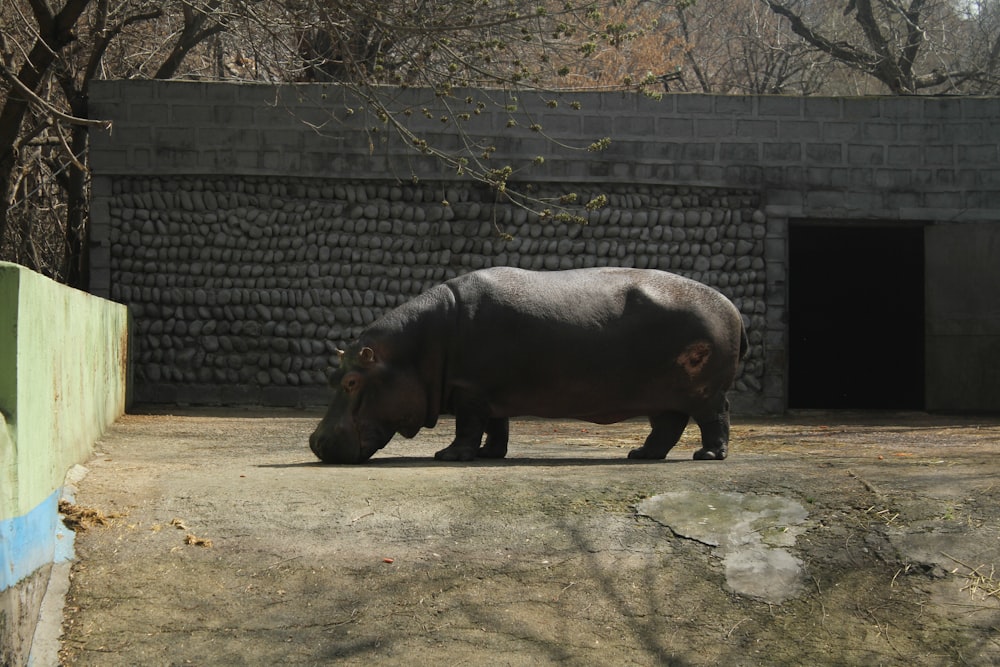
(469, 429)
(714, 427)
(667, 430)
(497, 434)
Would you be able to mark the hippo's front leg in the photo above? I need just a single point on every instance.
(469, 429)
(497, 434)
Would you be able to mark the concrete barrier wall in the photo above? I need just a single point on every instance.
(63, 372)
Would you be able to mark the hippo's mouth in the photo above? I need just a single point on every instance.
(371, 439)
(348, 445)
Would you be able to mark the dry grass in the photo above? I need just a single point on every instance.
(980, 584)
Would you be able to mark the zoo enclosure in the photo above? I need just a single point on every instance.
(253, 228)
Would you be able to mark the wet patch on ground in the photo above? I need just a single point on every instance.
(750, 533)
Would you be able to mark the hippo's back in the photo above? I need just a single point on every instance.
(574, 343)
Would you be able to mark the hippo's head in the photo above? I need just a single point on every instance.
(373, 400)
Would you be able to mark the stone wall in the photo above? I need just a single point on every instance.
(242, 289)
(275, 193)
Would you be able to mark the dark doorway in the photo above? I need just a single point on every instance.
(856, 317)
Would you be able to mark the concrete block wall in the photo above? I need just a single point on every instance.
(63, 371)
(899, 160)
(890, 158)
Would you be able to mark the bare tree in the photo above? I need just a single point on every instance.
(978, 42)
(24, 68)
(48, 58)
(909, 47)
(741, 47)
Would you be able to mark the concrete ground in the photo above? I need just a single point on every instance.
(215, 537)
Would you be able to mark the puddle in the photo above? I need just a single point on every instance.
(749, 533)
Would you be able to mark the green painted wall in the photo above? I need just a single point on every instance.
(63, 379)
(9, 282)
(63, 368)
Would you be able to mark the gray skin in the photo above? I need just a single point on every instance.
(601, 345)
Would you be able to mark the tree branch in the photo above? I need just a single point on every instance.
(865, 17)
(54, 34)
(105, 37)
(49, 109)
(846, 53)
(43, 14)
(191, 36)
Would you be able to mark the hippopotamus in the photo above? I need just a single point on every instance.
(601, 345)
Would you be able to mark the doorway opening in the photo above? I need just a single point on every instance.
(856, 317)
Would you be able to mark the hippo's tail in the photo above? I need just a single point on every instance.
(744, 342)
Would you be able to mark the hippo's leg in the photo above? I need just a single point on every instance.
(667, 430)
(469, 429)
(497, 433)
(714, 427)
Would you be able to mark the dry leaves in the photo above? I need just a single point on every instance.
(198, 541)
(190, 538)
(79, 519)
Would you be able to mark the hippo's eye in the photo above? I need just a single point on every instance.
(352, 382)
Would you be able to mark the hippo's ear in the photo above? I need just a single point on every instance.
(367, 355)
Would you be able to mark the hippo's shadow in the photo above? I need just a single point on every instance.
(430, 462)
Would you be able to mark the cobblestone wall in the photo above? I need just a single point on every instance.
(242, 289)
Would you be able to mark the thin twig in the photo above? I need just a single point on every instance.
(984, 584)
(733, 629)
(73, 120)
(281, 562)
(865, 483)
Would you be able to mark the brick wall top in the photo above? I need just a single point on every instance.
(889, 158)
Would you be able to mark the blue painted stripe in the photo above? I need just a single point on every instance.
(32, 540)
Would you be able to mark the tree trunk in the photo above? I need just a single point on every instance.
(77, 213)
(54, 33)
